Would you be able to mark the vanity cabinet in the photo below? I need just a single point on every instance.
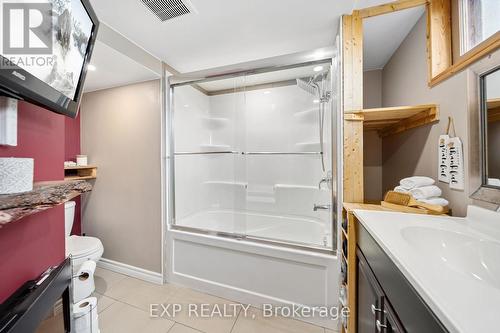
(386, 301)
(374, 311)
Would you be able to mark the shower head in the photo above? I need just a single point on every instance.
(307, 85)
(311, 84)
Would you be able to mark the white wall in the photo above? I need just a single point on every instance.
(121, 133)
(372, 143)
(493, 85)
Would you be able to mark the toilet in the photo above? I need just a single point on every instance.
(85, 252)
(81, 248)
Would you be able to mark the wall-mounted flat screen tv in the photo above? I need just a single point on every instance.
(45, 49)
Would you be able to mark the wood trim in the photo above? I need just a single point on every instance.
(398, 113)
(352, 75)
(390, 7)
(439, 50)
(353, 161)
(475, 54)
(352, 231)
(351, 238)
(347, 62)
(357, 61)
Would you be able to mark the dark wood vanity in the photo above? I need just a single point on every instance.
(386, 301)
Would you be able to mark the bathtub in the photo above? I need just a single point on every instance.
(256, 273)
(295, 229)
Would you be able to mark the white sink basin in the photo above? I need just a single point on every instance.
(466, 254)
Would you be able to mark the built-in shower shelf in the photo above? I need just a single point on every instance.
(226, 183)
(393, 120)
(214, 147)
(308, 115)
(215, 123)
(295, 187)
(308, 146)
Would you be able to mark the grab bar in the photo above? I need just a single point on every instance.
(207, 152)
(250, 153)
(281, 153)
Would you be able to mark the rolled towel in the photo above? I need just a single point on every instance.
(426, 192)
(436, 201)
(401, 189)
(416, 181)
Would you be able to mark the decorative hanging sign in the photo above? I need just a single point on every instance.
(443, 161)
(456, 157)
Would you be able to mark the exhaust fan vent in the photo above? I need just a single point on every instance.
(168, 9)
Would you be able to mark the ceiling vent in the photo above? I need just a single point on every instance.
(168, 9)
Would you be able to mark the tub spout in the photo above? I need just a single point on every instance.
(322, 207)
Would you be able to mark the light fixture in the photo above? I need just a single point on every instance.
(320, 54)
(267, 92)
(91, 67)
(318, 68)
(186, 105)
(316, 101)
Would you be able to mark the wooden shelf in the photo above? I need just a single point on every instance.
(493, 110)
(80, 172)
(45, 195)
(393, 120)
(345, 234)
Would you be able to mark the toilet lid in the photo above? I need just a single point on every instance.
(79, 246)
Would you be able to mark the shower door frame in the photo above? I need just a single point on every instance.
(301, 59)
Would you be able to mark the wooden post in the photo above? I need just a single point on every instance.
(439, 51)
(352, 78)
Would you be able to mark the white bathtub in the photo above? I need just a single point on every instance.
(251, 272)
(294, 229)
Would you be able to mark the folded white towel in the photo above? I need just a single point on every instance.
(426, 192)
(416, 181)
(436, 201)
(493, 181)
(401, 189)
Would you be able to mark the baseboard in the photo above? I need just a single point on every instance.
(129, 270)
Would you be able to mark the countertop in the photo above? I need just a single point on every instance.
(463, 301)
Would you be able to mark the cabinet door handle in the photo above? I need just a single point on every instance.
(380, 327)
(375, 309)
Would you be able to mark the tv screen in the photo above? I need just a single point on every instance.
(46, 47)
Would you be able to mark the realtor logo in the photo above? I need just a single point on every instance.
(27, 28)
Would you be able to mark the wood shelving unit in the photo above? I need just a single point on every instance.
(393, 120)
(45, 195)
(80, 172)
(349, 236)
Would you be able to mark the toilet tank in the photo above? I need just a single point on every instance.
(69, 216)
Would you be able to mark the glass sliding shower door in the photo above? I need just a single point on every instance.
(253, 156)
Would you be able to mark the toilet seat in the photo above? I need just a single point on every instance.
(83, 247)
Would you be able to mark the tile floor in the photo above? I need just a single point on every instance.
(124, 307)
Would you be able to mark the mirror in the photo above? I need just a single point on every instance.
(490, 137)
(490, 118)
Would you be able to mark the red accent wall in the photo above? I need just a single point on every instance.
(31, 245)
(71, 149)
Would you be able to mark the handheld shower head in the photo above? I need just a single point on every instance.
(307, 86)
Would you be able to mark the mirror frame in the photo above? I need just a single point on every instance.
(485, 192)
